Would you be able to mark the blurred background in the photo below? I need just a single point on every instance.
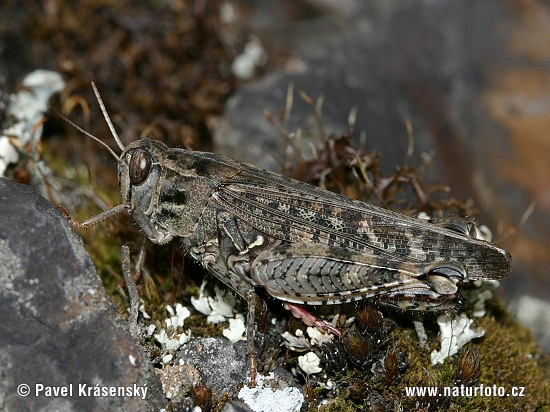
(468, 82)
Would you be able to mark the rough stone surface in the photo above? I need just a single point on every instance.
(57, 325)
(236, 406)
(223, 365)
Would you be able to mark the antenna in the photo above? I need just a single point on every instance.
(81, 130)
(107, 118)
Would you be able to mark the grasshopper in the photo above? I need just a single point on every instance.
(253, 228)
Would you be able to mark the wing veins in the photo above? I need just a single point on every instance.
(308, 225)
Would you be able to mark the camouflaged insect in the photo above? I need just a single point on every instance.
(250, 227)
(254, 228)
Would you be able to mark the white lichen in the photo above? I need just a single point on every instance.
(144, 312)
(253, 56)
(263, 398)
(223, 303)
(478, 296)
(150, 330)
(236, 330)
(317, 337)
(309, 363)
(455, 332)
(217, 308)
(201, 303)
(25, 111)
(296, 343)
(171, 337)
(8, 154)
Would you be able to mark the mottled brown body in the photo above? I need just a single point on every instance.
(303, 244)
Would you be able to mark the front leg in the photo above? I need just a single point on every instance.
(94, 220)
(207, 254)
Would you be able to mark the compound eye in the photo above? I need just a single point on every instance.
(140, 166)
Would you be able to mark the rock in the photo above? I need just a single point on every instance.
(223, 368)
(535, 314)
(223, 365)
(58, 327)
(236, 406)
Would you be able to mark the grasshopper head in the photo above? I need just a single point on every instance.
(140, 173)
(169, 189)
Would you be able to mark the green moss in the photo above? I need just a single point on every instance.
(201, 328)
(337, 405)
(509, 357)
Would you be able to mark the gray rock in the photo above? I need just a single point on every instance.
(58, 327)
(223, 365)
(236, 406)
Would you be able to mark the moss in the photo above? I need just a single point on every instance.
(201, 328)
(337, 405)
(509, 357)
